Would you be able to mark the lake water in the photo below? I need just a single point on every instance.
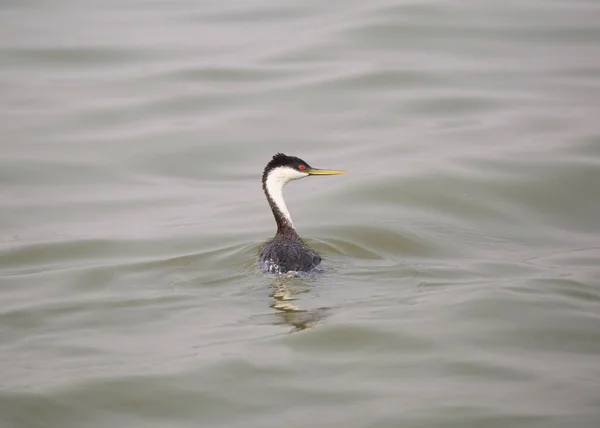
(461, 250)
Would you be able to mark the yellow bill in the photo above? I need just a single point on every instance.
(315, 171)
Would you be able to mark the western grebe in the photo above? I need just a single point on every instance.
(286, 251)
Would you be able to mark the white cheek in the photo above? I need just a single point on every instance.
(289, 174)
(300, 175)
(283, 175)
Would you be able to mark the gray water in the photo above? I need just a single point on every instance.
(461, 250)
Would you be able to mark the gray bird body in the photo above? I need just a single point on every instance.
(284, 254)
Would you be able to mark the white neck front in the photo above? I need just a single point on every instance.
(276, 179)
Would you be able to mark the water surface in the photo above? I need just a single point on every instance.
(462, 250)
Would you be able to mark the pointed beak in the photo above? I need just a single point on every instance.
(315, 171)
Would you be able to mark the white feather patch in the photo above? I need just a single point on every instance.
(278, 178)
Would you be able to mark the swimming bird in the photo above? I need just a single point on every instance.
(286, 252)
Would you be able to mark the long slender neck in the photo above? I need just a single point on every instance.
(273, 188)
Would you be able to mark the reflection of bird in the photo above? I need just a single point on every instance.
(286, 251)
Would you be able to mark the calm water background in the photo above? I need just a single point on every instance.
(462, 249)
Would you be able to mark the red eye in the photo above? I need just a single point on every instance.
(302, 167)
